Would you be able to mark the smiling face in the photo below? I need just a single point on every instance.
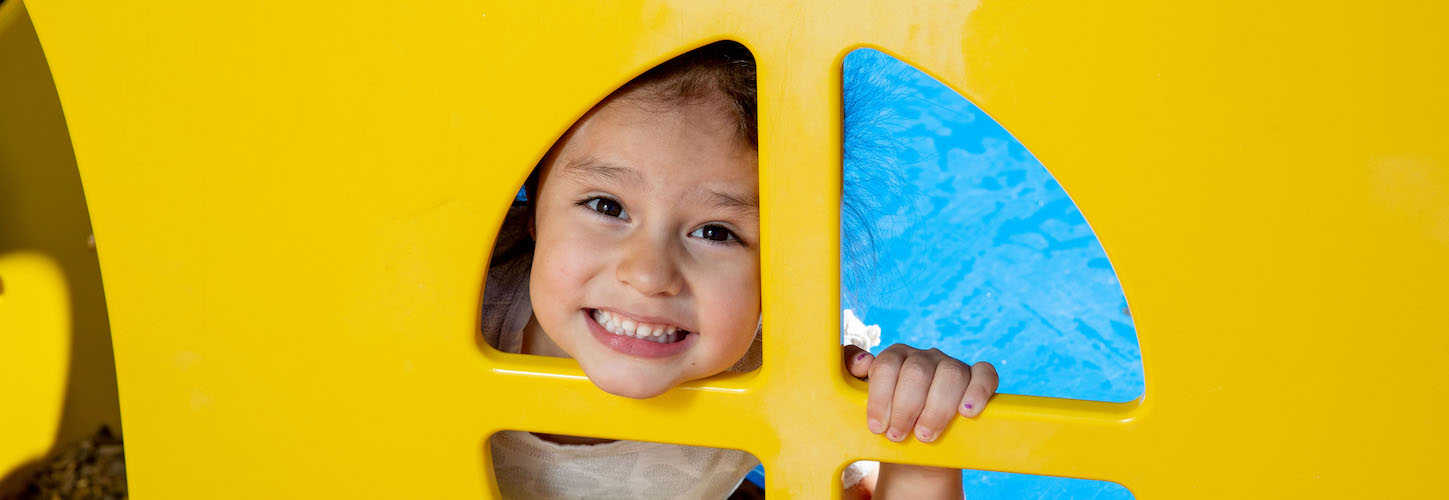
(647, 263)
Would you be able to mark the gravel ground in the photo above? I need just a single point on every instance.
(91, 469)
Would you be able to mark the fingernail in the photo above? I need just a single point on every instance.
(861, 356)
(875, 425)
(925, 435)
(895, 435)
(966, 406)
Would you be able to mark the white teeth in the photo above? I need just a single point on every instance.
(629, 328)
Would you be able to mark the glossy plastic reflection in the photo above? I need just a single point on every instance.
(295, 200)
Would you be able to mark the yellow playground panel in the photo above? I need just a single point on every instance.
(57, 379)
(293, 202)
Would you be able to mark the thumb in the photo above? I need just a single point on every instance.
(857, 361)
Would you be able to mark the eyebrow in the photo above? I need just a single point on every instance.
(744, 206)
(593, 168)
(589, 167)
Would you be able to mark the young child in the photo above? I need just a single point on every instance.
(637, 253)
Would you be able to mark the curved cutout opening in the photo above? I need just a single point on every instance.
(954, 236)
(537, 465)
(584, 231)
(641, 270)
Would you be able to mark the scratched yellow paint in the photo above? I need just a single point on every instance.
(294, 202)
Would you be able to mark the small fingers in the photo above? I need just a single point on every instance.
(978, 392)
(950, 383)
(858, 361)
(915, 378)
(883, 372)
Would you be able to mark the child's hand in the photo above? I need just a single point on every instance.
(919, 391)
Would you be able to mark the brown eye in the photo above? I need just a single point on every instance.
(714, 233)
(606, 207)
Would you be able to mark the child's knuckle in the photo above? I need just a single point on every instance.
(889, 356)
(880, 370)
(906, 349)
(916, 374)
(904, 415)
(985, 367)
(952, 375)
(935, 418)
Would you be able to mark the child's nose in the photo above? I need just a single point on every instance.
(648, 267)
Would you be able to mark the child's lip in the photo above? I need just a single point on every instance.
(634, 346)
(653, 320)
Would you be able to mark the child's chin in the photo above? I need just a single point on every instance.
(631, 387)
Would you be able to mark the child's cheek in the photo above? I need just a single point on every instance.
(575, 258)
(563, 265)
(734, 303)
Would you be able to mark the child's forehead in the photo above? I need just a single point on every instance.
(712, 113)
(639, 108)
(688, 140)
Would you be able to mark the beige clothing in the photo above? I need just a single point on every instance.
(526, 466)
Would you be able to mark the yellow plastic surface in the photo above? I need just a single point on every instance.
(57, 379)
(33, 362)
(295, 201)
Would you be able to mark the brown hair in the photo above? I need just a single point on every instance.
(721, 72)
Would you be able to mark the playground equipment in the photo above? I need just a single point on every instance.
(292, 203)
(57, 378)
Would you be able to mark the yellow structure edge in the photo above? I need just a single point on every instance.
(57, 378)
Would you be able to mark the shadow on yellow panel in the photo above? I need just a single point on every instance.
(57, 374)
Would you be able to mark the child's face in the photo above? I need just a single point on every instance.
(648, 212)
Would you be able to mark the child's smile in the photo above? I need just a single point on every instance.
(646, 264)
(631, 335)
